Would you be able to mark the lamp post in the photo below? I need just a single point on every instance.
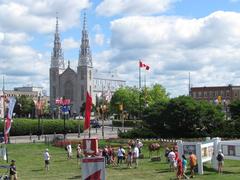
(39, 108)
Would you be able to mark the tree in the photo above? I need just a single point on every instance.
(129, 98)
(184, 117)
(24, 106)
(156, 94)
(234, 109)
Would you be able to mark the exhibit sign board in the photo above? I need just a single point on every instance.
(93, 168)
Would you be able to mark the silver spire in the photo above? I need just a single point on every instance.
(85, 57)
(57, 54)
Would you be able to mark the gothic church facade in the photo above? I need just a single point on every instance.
(65, 82)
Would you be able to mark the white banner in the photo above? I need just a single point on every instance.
(93, 168)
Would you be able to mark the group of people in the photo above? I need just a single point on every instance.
(180, 164)
(130, 155)
(68, 148)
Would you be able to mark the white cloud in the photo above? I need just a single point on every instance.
(70, 43)
(99, 39)
(32, 16)
(133, 7)
(207, 47)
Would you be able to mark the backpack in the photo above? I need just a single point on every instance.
(219, 157)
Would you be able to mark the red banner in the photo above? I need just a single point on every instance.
(88, 110)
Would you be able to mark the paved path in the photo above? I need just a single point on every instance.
(109, 132)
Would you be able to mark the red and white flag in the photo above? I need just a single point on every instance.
(142, 65)
(88, 110)
(8, 119)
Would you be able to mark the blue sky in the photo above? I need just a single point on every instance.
(174, 37)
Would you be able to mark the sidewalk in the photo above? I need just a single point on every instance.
(108, 133)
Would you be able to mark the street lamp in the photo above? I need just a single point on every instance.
(39, 109)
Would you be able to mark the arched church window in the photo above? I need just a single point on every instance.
(82, 93)
(82, 74)
(90, 74)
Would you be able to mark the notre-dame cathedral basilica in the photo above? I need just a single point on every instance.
(65, 82)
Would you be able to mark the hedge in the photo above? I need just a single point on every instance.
(30, 126)
(127, 123)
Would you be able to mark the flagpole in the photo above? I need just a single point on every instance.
(139, 79)
(89, 132)
(145, 86)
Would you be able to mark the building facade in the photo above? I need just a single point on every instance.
(65, 82)
(225, 94)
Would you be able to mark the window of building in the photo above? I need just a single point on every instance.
(82, 74)
(194, 94)
(223, 93)
(200, 94)
(90, 74)
(90, 90)
(235, 94)
(227, 93)
(82, 93)
(205, 93)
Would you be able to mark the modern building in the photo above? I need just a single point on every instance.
(73, 85)
(225, 94)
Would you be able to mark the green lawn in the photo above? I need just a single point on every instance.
(30, 166)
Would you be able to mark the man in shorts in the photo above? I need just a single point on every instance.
(47, 159)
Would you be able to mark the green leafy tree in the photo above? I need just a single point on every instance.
(156, 94)
(129, 98)
(234, 109)
(184, 117)
(25, 106)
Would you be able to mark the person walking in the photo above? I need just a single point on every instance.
(171, 157)
(105, 154)
(184, 166)
(69, 151)
(179, 169)
(139, 145)
(193, 163)
(79, 153)
(120, 154)
(13, 171)
(135, 156)
(47, 159)
(129, 157)
(220, 159)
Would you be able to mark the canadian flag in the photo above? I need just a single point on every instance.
(142, 65)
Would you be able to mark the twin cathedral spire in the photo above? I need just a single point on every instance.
(85, 57)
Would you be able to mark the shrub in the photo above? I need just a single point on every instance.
(30, 126)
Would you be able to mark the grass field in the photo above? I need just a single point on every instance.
(30, 166)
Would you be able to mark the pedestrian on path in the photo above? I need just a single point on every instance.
(47, 159)
(69, 151)
(220, 159)
(13, 171)
(135, 156)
